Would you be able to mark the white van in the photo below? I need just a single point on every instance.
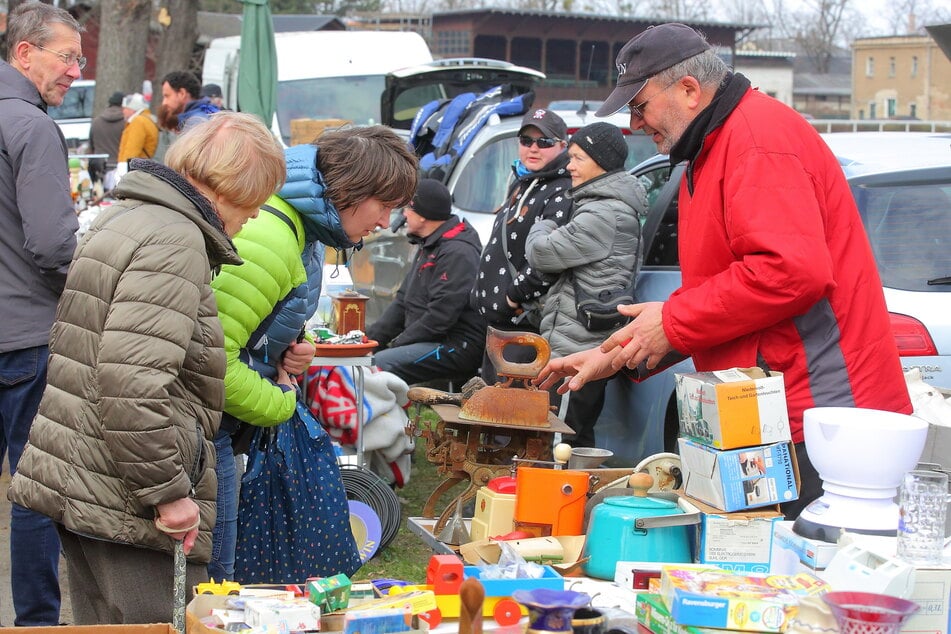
(322, 74)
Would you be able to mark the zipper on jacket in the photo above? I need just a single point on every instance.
(195, 475)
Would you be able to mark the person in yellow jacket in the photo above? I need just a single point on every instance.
(140, 137)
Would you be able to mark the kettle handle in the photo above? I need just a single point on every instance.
(664, 521)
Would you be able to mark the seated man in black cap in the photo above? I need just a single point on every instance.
(430, 331)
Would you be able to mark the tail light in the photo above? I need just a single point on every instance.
(911, 336)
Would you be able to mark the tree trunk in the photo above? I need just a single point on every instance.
(176, 45)
(123, 36)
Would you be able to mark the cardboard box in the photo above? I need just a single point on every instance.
(739, 407)
(294, 615)
(738, 479)
(568, 548)
(654, 615)
(203, 604)
(151, 628)
(726, 600)
(741, 541)
(794, 553)
(330, 593)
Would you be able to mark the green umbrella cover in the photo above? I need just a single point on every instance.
(257, 62)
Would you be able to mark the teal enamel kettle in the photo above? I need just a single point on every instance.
(637, 528)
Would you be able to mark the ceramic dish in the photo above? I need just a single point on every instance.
(345, 349)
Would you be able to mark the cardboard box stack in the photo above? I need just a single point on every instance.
(738, 462)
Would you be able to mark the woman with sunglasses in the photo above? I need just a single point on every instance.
(508, 291)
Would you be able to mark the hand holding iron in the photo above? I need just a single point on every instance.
(641, 340)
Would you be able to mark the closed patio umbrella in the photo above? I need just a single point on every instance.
(257, 70)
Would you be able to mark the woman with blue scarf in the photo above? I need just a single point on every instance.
(508, 292)
(337, 192)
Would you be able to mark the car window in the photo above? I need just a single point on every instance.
(409, 102)
(909, 228)
(77, 104)
(482, 184)
(348, 98)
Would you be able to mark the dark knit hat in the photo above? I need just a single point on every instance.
(604, 143)
(432, 200)
(646, 54)
(547, 121)
(115, 99)
(210, 90)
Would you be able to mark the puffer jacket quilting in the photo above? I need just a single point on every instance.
(598, 246)
(135, 383)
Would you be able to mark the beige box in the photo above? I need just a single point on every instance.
(727, 409)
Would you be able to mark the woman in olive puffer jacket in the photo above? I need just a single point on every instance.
(120, 454)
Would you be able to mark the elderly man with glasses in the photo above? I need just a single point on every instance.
(37, 240)
(777, 270)
(507, 291)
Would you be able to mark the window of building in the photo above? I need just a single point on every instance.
(861, 114)
(914, 66)
(527, 51)
(491, 46)
(891, 66)
(560, 61)
(871, 110)
(870, 67)
(913, 110)
(891, 107)
(454, 44)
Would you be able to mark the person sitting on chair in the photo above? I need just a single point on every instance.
(430, 330)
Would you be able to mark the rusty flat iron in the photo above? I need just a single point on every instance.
(503, 402)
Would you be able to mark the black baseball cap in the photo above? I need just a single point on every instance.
(211, 90)
(646, 54)
(547, 121)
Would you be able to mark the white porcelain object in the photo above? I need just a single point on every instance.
(861, 456)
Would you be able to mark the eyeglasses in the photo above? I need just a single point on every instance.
(638, 110)
(67, 58)
(543, 142)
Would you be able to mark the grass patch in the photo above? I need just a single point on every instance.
(407, 556)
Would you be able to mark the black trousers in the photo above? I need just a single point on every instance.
(584, 408)
(810, 484)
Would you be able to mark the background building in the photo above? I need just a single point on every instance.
(900, 77)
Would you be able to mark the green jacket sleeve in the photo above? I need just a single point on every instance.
(246, 295)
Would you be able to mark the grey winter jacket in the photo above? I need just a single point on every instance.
(136, 373)
(37, 221)
(598, 246)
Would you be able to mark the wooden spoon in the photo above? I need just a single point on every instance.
(471, 596)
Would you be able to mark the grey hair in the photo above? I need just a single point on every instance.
(706, 67)
(32, 22)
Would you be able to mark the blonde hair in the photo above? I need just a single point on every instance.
(359, 163)
(232, 153)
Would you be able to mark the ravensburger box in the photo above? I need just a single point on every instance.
(737, 479)
(739, 407)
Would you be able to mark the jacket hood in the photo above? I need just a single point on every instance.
(304, 190)
(618, 185)
(15, 85)
(155, 183)
(112, 114)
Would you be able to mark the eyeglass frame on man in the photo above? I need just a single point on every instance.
(638, 110)
(67, 58)
(543, 142)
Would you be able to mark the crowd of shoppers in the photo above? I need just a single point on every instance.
(142, 350)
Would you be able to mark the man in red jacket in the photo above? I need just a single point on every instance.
(777, 269)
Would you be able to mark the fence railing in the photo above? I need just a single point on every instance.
(866, 125)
